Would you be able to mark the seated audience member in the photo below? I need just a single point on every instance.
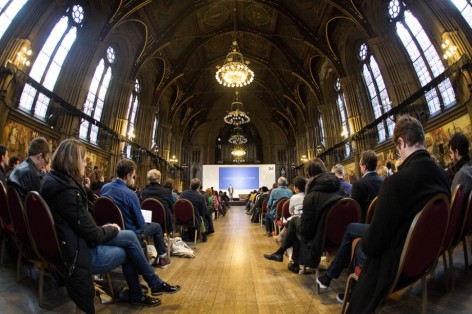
(202, 213)
(4, 159)
(167, 184)
(338, 171)
(401, 197)
(462, 169)
(128, 202)
(367, 188)
(276, 195)
(383, 172)
(97, 185)
(156, 191)
(295, 206)
(258, 205)
(306, 231)
(12, 164)
(88, 249)
(26, 177)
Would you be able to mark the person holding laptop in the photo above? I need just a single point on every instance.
(128, 202)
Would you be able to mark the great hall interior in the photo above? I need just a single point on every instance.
(143, 79)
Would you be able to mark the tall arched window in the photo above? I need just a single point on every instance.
(322, 129)
(8, 10)
(154, 131)
(96, 96)
(377, 91)
(465, 7)
(48, 64)
(423, 55)
(341, 102)
(131, 116)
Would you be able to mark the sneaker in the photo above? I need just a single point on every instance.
(145, 301)
(340, 297)
(163, 262)
(323, 281)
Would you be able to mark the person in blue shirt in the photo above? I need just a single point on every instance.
(128, 202)
(282, 191)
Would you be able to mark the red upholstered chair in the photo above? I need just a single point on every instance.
(40, 226)
(184, 216)
(263, 211)
(341, 214)
(454, 229)
(15, 206)
(6, 227)
(106, 211)
(278, 213)
(466, 229)
(421, 248)
(282, 221)
(370, 210)
(159, 215)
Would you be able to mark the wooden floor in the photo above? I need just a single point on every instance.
(229, 275)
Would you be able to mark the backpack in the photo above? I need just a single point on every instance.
(180, 248)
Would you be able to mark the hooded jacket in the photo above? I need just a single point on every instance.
(321, 193)
(77, 233)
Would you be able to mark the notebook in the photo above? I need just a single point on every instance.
(147, 214)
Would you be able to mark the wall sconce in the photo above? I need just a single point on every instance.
(450, 50)
(304, 159)
(173, 160)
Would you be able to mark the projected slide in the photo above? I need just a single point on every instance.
(239, 178)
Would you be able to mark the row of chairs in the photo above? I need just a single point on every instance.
(442, 225)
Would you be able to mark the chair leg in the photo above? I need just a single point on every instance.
(466, 254)
(446, 270)
(424, 287)
(451, 272)
(18, 264)
(317, 274)
(347, 291)
(169, 234)
(110, 286)
(2, 250)
(41, 283)
(195, 239)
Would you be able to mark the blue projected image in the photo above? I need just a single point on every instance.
(239, 177)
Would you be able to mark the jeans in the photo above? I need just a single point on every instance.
(154, 229)
(126, 251)
(343, 256)
(268, 221)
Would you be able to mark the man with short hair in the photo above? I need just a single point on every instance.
(401, 197)
(26, 177)
(199, 205)
(338, 171)
(12, 164)
(282, 191)
(367, 188)
(128, 203)
(459, 153)
(4, 159)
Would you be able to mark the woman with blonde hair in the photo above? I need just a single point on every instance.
(87, 248)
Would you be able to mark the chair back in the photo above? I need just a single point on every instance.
(423, 242)
(184, 213)
(278, 207)
(456, 214)
(18, 220)
(285, 210)
(158, 211)
(106, 211)
(4, 214)
(40, 225)
(341, 214)
(371, 210)
(264, 206)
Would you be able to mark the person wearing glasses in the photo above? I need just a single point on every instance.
(26, 177)
(128, 202)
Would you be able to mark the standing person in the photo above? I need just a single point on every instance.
(26, 177)
(461, 168)
(367, 188)
(4, 159)
(128, 203)
(230, 192)
(401, 197)
(88, 249)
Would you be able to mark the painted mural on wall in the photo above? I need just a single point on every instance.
(17, 138)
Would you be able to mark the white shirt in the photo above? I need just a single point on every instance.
(296, 204)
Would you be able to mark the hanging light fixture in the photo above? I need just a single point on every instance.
(237, 136)
(237, 116)
(234, 72)
(238, 151)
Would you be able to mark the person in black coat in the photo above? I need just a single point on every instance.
(367, 188)
(401, 197)
(87, 248)
(156, 191)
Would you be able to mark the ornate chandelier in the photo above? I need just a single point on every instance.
(238, 151)
(237, 116)
(237, 136)
(234, 72)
